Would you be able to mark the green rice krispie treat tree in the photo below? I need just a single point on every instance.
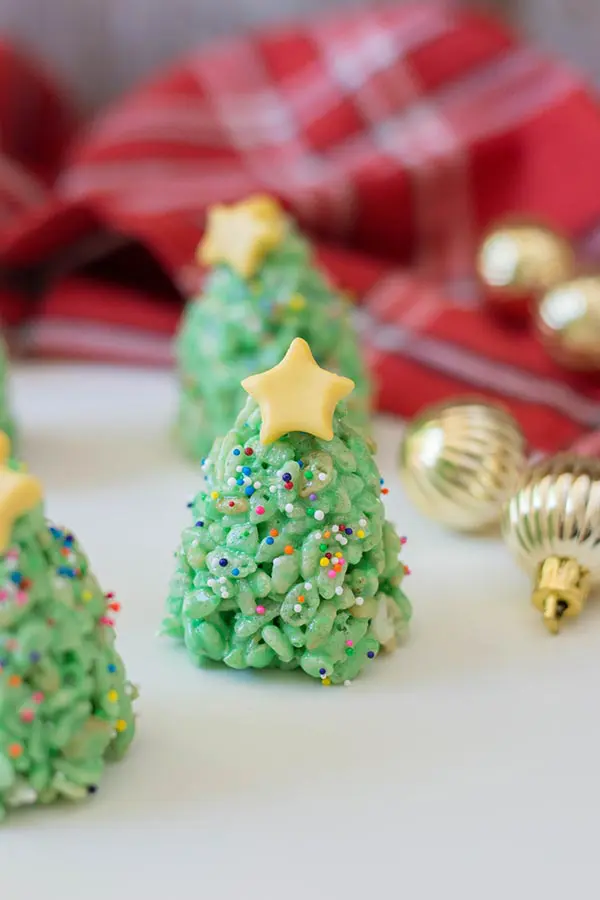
(6, 419)
(290, 560)
(65, 702)
(264, 290)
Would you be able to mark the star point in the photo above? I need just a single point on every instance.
(242, 234)
(297, 395)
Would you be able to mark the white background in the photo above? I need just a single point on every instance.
(466, 765)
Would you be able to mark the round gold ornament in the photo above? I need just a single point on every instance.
(568, 323)
(519, 260)
(552, 526)
(460, 461)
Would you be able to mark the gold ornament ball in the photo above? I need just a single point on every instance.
(519, 260)
(552, 526)
(568, 323)
(460, 461)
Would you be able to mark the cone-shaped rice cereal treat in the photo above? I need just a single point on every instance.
(6, 419)
(263, 290)
(289, 561)
(65, 701)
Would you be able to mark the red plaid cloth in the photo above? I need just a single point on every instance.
(394, 135)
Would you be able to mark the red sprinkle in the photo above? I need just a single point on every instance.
(231, 503)
(288, 485)
(384, 490)
(248, 451)
(115, 606)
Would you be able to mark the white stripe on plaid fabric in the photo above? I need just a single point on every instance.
(504, 93)
(156, 186)
(465, 365)
(354, 58)
(427, 146)
(239, 90)
(79, 339)
(192, 124)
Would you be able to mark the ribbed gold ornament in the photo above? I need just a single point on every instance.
(552, 526)
(568, 322)
(518, 260)
(459, 462)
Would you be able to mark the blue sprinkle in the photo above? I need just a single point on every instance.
(189, 505)
(270, 540)
(381, 481)
(240, 481)
(300, 463)
(223, 562)
(237, 451)
(111, 667)
(322, 671)
(249, 491)
(235, 571)
(286, 476)
(370, 654)
(16, 577)
(34, 656)
(246, 470)
(68, 542)
(199, 524)
(3, 662)
(55, 532)
(203, 460)
(67, 571)
(348, 531)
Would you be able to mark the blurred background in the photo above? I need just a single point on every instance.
(100, 47)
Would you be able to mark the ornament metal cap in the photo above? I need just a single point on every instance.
(552, 526)
(561, 589)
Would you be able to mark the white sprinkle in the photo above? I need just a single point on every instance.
(322, 476)
(297, 608)
(231, 482)
(247, 480)
(211, 582)
(339, 538)
(257, 484)
(359, 601)
(238, 468)
(319, 514)
(335, 529)
(347, 683)
(223, 580)
(343, 540)
(307, 586)
(362, 522)
(225, 594)
(277, 560)
(339, 590)
(273, 488)
(318, 535)
(289, 508)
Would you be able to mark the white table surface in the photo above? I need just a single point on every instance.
(465, 766)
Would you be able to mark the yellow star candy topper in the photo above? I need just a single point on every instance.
(19, 493)
(297, 395)
(241, 235)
